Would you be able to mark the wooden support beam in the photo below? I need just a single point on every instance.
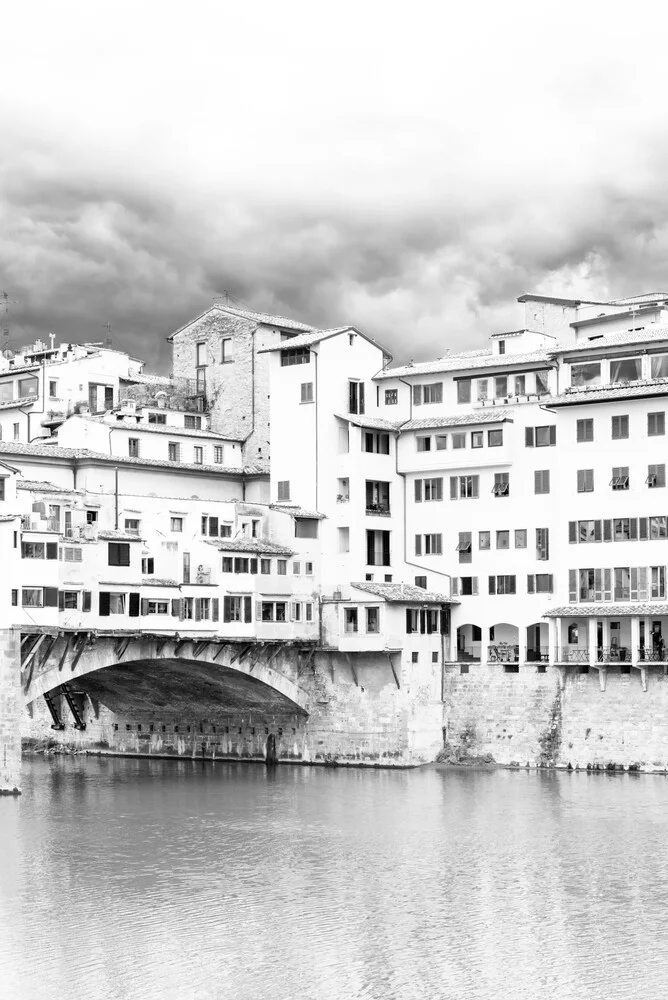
(352, 668)
(31, 655)
(199, 647)
(310, 656)
(241, 652)
(179, 646)
(160, 645)
(46, 652)
(120, 647)
(79, 652)
(61, 661)
(275, 653)
(221, 649)
(394, 673)
(256, 657)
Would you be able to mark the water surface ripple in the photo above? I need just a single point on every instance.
(160, 879)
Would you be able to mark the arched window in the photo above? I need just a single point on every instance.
(573, 634)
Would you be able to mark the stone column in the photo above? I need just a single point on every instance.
(10, 711)
(591, 640)
(635, 639)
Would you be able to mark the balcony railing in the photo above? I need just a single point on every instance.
(537, 654)
(383, 509)
(657, 654)
(614, 654)
(578, 654)
(503, 653)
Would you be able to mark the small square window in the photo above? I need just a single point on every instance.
(414, 657)
(477, 439)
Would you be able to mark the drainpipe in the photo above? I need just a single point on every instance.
(315, 355)
(116, 497)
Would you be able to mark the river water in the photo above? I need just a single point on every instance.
(160, 879)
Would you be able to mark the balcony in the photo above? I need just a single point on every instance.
(378, 509)
(33, 523)
(658, 654)
(578, 654)
(537, 654)
(187, 394)
(503, 652)
(613, 654)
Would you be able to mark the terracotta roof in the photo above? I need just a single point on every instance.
(621, 339)
(403, 593)
(20, 370)
(488, 416)
(373, 423)
(116, 535)
(13, 404)
(467, 362)
(250, 545)
(606, 610)
(630, 390)
(155, 428)
(152, 581)
(41, 486)
(305, 339)
(267, 319)
(143, 378)
(8, 517)
(287, 508)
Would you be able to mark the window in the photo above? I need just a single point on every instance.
(625, 369)
(464, 390)
(541, 437)
(155, 607)
(502, 585)
(132, 525)
(421, 581)
(622, 583)
(218, 454)
(192, 423)
(157, 418)
(148, 566)
(198, 455)
(176, 524)
(588, 531)
(502, 346)
(484, 540)
(91, 517)
(656, 424)
(585, 480)
(483, 390)
(2, 488)
(441, 442)
(468, 586)
(32, 597)
(307, 527)
(520, 385)
(282, 567)
(284, 489)
(227, 564)
(620, 428)
(68, 600)
(200, 354)
(501, 486)
(464, 487)
(459, 440)
(133, 447)
(296, 569)
(503, 539)
(174, 451)
(542, 543)
(373, 620)
(355, 397)
(17, 431)
(70, 553)
(495, 438)
(656, 476)
(237, 608)
(588, 373)
(584, 430)
(378, 444)
(391, 397)
(464, 546)
(226, 351)
(200, 379)
(429, 545)
(265, 567)
(119, 554)
(113, 603)
(350, 619)
(520, 538)
(295, 356)
(53, 390)
(377, 497)
(377, 548)
(428, 489)
(660, 366)
(477, 439)
(28, 388)
(620, 478)
(541, 583)
(657, 581)
(209, 525)
(32, 550)
(541, 481)
(423, 443)
(430, 393)
(203, 608)
(501, 386)
(307, 392)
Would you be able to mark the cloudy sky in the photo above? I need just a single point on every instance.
(408, 167)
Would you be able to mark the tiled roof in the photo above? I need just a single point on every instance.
(8, 517)
(152, 581)
(487, 416)
(259, 545)
(48, 450)
(304, 340)
(12, 404)
(287, 508)
(115, 535)
(466, 362)
(403, 593)
(630, 390)
(20, 370)
(620, 339)
(144, 378)
(265, 318)
(605, 610)
(156, 428)
(41, 486)
(374, 423)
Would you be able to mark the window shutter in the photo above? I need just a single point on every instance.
(597, 584)
(176, 607)
(105, 601)
(634, 583)
(553, 433)
(475, 481)
(492, 585)
(61, 600)
(386, 548)
(418, 491)
(52, 550)
(453, 487)
(409, 621)
(597, 531)
(144, 606)
(198, 609)
(422, 617)
(258, 611)
(642, 528)
(455, 586)
(418, 545)
(361, 397)
(572, 586)
(253, 565)
(215, 609)
(642, 583)
(417, 395)
(50, 597)
(78, 555)
(182, 609)
(633, 529)
(530, 583)
(134, 606)
(607, 585)
(528, 437)
(247, 609)
(572, 531)
(85, 600)
(474, 585)
(660, 475)
(607, 530)
(445, 621)
(227, 604)
(427, 615)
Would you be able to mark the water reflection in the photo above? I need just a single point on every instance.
(142, 879)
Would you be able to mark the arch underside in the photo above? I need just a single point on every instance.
(181, 687)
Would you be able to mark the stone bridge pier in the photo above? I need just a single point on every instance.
(190, 696)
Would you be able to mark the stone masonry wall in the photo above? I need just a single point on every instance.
(238, 391)
(10, 712)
